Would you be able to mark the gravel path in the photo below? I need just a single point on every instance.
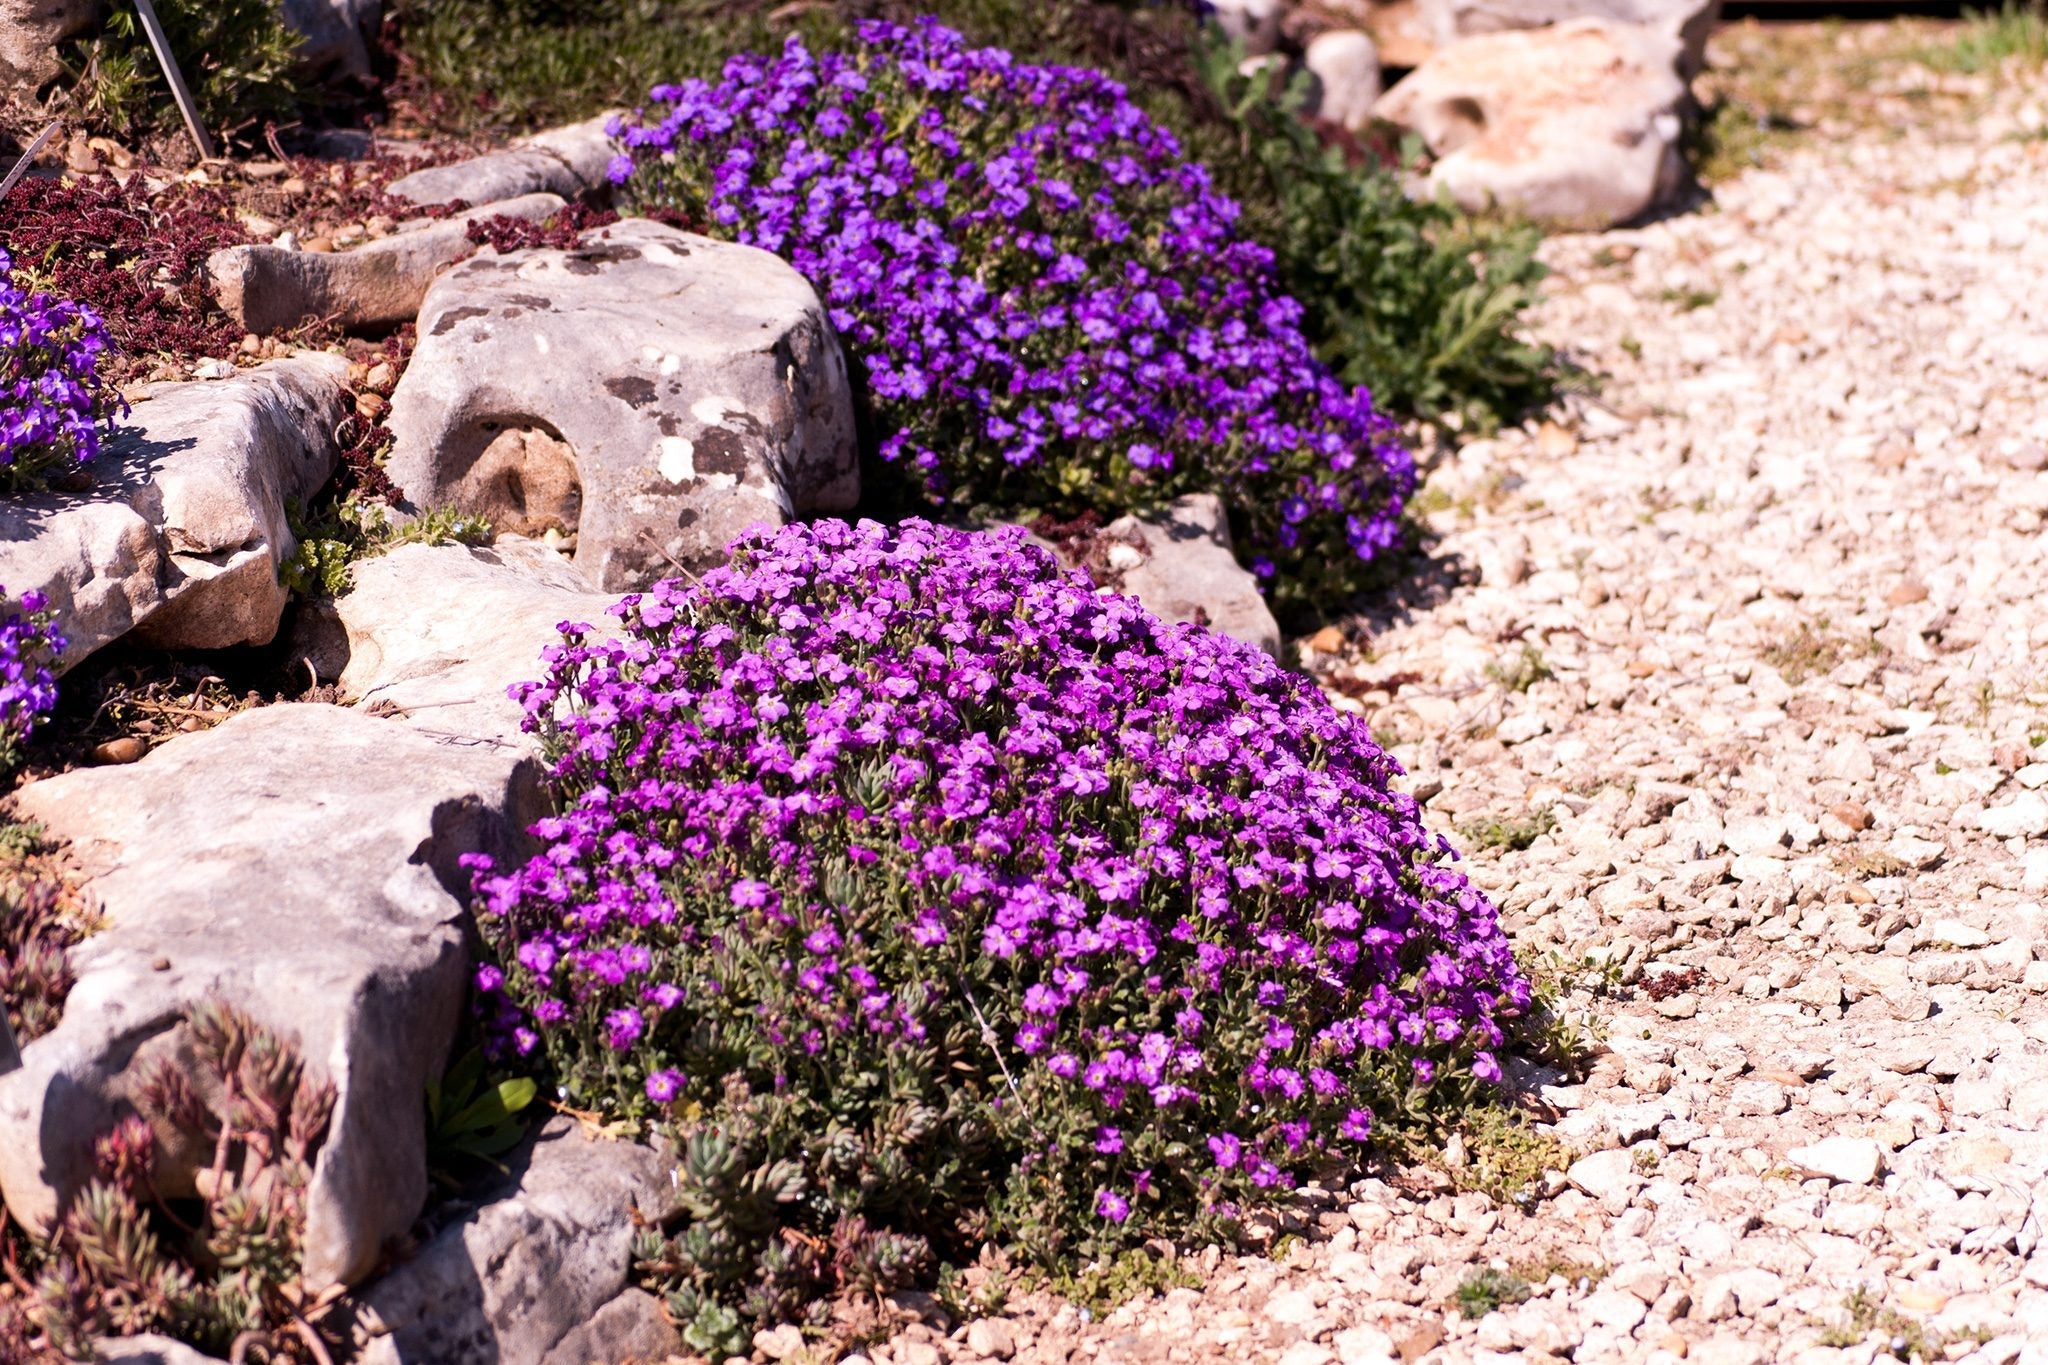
(1751, 654)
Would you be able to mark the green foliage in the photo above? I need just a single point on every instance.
(224, 1277)
(1414, 300)
(236, 55)
(1522, 672)
(2013, 35)
(358, 528)
(1508, 832)
(1103, 1285)
(732, 1266)
(1488, 1289)
(1505, 1157)
(473, 1118)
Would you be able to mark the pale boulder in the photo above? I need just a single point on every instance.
(1576, 126)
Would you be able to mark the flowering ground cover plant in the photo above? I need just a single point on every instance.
(29, 646)
(1051, 306)
(54, 398)
(930, 896)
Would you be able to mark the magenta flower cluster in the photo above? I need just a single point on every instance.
(54, 398)
(1137, 909)
(1050, 303)
(29, 646)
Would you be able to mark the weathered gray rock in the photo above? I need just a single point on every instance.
(337, 33)
(29, 33)
(181, 535)
(267, 288)
(1346, 66)
(571, 161)
(440, 632)
(1690, 21)
(653, 391)
(299, 862)
(1576, 126)
(1179, 564)
(538, 1274)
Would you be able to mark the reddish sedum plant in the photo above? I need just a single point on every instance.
(121, 1261)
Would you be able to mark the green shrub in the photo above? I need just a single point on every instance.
(1413, 299)
(237, 56)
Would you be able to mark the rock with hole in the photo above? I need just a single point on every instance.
(301, 863)
(652, 392)
(1576, 126)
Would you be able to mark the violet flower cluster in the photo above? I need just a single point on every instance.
(1052, 306)
(52, 397)
(29, 645)
(1130, 906)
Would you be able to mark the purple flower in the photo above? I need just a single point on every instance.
(1238, 940)
(1048, 293)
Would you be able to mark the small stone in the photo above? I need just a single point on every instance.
(1844, 1160)
(1421, 1341)
(1308, 1353)
(1328, 640)
(1915, 852)
(1610, 1177)
(779, 1343)
(159, 964)
(1758, 1098)
(2023, 817)
(1681, 1006)
(992, 1337)
(1955, 933)
(1854, 814)
(1906, 592)
(126, 749)
(1364, 1346)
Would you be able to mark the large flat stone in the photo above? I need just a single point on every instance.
(181, 535)
(299, 862)
(654, 391)
(538, 1274)
(440, 632)
(267, 288)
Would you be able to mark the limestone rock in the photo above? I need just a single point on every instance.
(441, 631)
(1346, 66)
(1576, 126)
(268, 288)
(29, 33)
(1690, 21)
(1844, 1160)
(1179, 563)
(182, 533)
(538, 1274)
(299, 862)
(570, 161)
(659, 390)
